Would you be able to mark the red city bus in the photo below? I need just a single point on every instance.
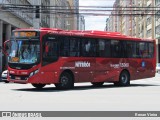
(54, 56)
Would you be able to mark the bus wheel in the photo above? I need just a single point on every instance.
(39, 86)
(97, 84)
(65, 81)
(124, 79)
(6, 81)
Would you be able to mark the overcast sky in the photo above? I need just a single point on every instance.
(96, 22)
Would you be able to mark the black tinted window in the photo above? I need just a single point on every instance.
(115, 48)
(64, 46)
(103, 48)
(151, 50)
(88, 48)
(131, 51)
(74, 47)
(50, 49)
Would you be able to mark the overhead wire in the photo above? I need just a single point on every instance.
(83, 10)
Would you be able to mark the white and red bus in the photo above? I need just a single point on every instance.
(53, 56)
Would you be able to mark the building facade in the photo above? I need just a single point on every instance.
(81, 22)
(35, 13)
(76, 12)
(116, 18)
(63, 14)
(137, 18)
(57, 13)
(157, 28)
(109, 23)
(11, 19)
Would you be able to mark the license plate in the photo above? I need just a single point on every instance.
(17, 78)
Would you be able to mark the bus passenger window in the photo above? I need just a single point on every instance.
(50, 52)
(143, 50)
(64, 47)
(101, 48)
(131, 49)
(74, 47)
(151, 50)
(115, 48)
(50, 49)
(104, 48)
(88, 48)
(46, 49)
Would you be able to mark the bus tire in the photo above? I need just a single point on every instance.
(124, 79)
(97, 84)
(38, 86)
(65, 81)
(6, 81)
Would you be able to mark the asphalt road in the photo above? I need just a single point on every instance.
(142, 95)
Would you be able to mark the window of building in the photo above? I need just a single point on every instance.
(158, 29)
(149, 33)
(149, 20)
(157, 2)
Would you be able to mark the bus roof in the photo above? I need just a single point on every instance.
(86, 33)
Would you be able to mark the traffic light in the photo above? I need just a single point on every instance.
(37, 12)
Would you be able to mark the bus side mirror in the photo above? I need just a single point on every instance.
(7, 46)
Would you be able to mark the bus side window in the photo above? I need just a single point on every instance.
(103, 48)
(50, 50)
(151, 50)
(46, 51)
(74, 47)
(131, 49)
(144, 50)
(64, 47)
(88, 48)
(115, 48)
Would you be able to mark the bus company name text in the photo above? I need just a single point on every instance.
(120, 65)
(82, 64)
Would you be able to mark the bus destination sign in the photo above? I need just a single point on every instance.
(25, 34)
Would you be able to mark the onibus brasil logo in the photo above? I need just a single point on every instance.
(21, 114)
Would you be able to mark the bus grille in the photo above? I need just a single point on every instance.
(18, 77)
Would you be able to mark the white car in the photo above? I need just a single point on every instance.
(158, 68)
(4, 76)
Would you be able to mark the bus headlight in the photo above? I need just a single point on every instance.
(33, 73)
(36, 71)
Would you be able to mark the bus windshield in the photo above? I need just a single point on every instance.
(24, 51)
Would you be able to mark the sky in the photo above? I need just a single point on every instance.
(96, 22)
